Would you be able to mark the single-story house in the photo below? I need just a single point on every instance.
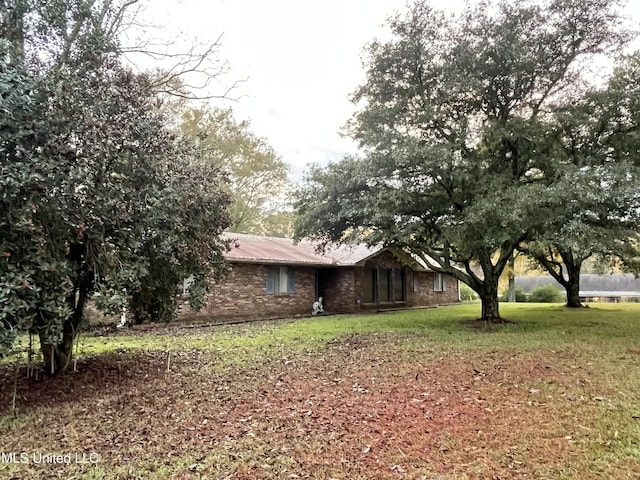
(593, 287)
(274, 277)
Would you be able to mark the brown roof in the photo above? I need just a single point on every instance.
(261, 249)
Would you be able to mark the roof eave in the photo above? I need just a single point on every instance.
(264, 261)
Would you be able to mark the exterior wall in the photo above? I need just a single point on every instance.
(358, 273)
(386, 260)
(339, 292)
(242, 294)
(424, 294)
(419, 285)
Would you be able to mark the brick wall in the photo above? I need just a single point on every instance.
(243, 294)
(422, 295)
(386, 260)
(423, 292)
(340, 294)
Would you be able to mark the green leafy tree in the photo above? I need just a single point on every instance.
(98, 196)
(453, 121)
(466, 294)
(596, 189)
(258, 181)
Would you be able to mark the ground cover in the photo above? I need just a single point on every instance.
(423, 394)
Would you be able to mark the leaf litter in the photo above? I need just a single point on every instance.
(362, 407)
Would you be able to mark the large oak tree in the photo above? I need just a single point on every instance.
(597, 182)
(455, 124)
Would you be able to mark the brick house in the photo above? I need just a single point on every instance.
(273, 277)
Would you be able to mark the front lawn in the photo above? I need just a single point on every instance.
(419, 394)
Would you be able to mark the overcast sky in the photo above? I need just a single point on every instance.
(301, 59)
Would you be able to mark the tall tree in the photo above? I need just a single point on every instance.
(258, 182)
(597, 181)
(595, 219)
(98, 195)
(453, 122)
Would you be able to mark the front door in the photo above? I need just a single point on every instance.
(323, 279)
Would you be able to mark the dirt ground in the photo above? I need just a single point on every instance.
(366, 406)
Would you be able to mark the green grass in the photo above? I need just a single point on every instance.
(534, 326)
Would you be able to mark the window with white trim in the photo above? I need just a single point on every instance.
(439, 284)
(280, 280)
(185, 285)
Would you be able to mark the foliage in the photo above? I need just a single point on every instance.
(98, 195)
(546, 294)
(454, 119)
(521, 296)
(467, 294)
(596, 180)
(7, 339)
(258, 181)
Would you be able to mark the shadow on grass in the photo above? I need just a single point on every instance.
(485, 326)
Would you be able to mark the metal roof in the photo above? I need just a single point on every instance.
(276, 250)
(261, 249)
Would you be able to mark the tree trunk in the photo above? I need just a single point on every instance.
(490, 310)
(489, 299)
(512, 279)
(572, 286)
(573, 264)
(573, 295)
(57, 357)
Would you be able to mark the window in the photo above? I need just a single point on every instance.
(399, 285)
(185, 285)
(370, 285)
(438, 283)
(384, 284)
(280, 280)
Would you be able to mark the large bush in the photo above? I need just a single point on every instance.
(546, 294)
(521, 295)
(97, 195)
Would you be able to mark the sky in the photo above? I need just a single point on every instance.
(298, 62)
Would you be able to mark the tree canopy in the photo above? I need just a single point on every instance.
(98, 195)
(463, 160)
(596, 181)
(258, 182)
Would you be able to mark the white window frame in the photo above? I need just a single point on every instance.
(281, 276)
(186, 285)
